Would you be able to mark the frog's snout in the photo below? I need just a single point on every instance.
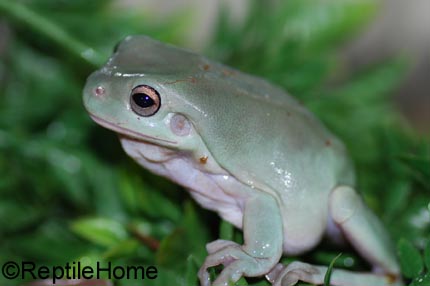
(94, 90)
(94, 86)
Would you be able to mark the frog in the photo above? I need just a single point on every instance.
(246, 149)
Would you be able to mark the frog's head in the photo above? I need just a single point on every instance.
(135, 93)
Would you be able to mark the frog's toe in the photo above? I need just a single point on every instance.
(292, 273)
(230, 274)
(219, 244)
(204, 276)
(298, 271)
(236, 262)
(223, 256)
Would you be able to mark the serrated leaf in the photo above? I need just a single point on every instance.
(410, 259)
(102, 231)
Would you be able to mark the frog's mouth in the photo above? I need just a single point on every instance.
(127, 132)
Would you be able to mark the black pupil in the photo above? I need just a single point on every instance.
(143, 100)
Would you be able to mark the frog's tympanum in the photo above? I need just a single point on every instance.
(245, 149)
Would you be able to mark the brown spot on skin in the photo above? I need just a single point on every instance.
(228, 72)
(391, 278)
(203, 159)
(327, 142)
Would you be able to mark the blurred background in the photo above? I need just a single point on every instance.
(399, 28)
(69, 193)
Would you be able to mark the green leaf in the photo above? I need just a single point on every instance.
(50, 242)
(419, 166)
(47, 28)
(427, 256)
(102, 231)
(241, 282)
(191, 271)
(317, 22)
(327, 275)
(422, 280)
(140, 196)
(396, 199)
(123, 248)
(410, 259)
(226, 230)
(189, 238)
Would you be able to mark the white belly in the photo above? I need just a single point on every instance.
(222, 193)
(205, 187)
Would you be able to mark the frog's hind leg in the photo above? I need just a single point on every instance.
(365, 232)
(297, 271)
(363, 229)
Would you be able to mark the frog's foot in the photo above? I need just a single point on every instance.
(297, 271)
(236, 262)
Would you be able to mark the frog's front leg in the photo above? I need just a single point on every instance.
(262, 248)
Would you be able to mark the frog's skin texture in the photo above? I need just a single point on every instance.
(245, 149)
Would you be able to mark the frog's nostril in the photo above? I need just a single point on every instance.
(99, 91)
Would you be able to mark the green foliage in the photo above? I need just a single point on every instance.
(68, 192)
(412, 263)
(410, 259)
(330, 270)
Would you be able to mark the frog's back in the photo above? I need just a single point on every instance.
(268, 132)
(257, 132)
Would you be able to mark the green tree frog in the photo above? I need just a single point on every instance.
(245, 149)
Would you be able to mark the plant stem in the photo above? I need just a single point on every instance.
(50, 30)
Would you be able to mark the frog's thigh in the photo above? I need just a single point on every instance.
(363, 229)
(263, 237)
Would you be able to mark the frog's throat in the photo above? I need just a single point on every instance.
(128, 132)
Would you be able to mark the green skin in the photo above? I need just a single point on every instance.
(247, 150)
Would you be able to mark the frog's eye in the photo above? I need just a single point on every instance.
(144, 100)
